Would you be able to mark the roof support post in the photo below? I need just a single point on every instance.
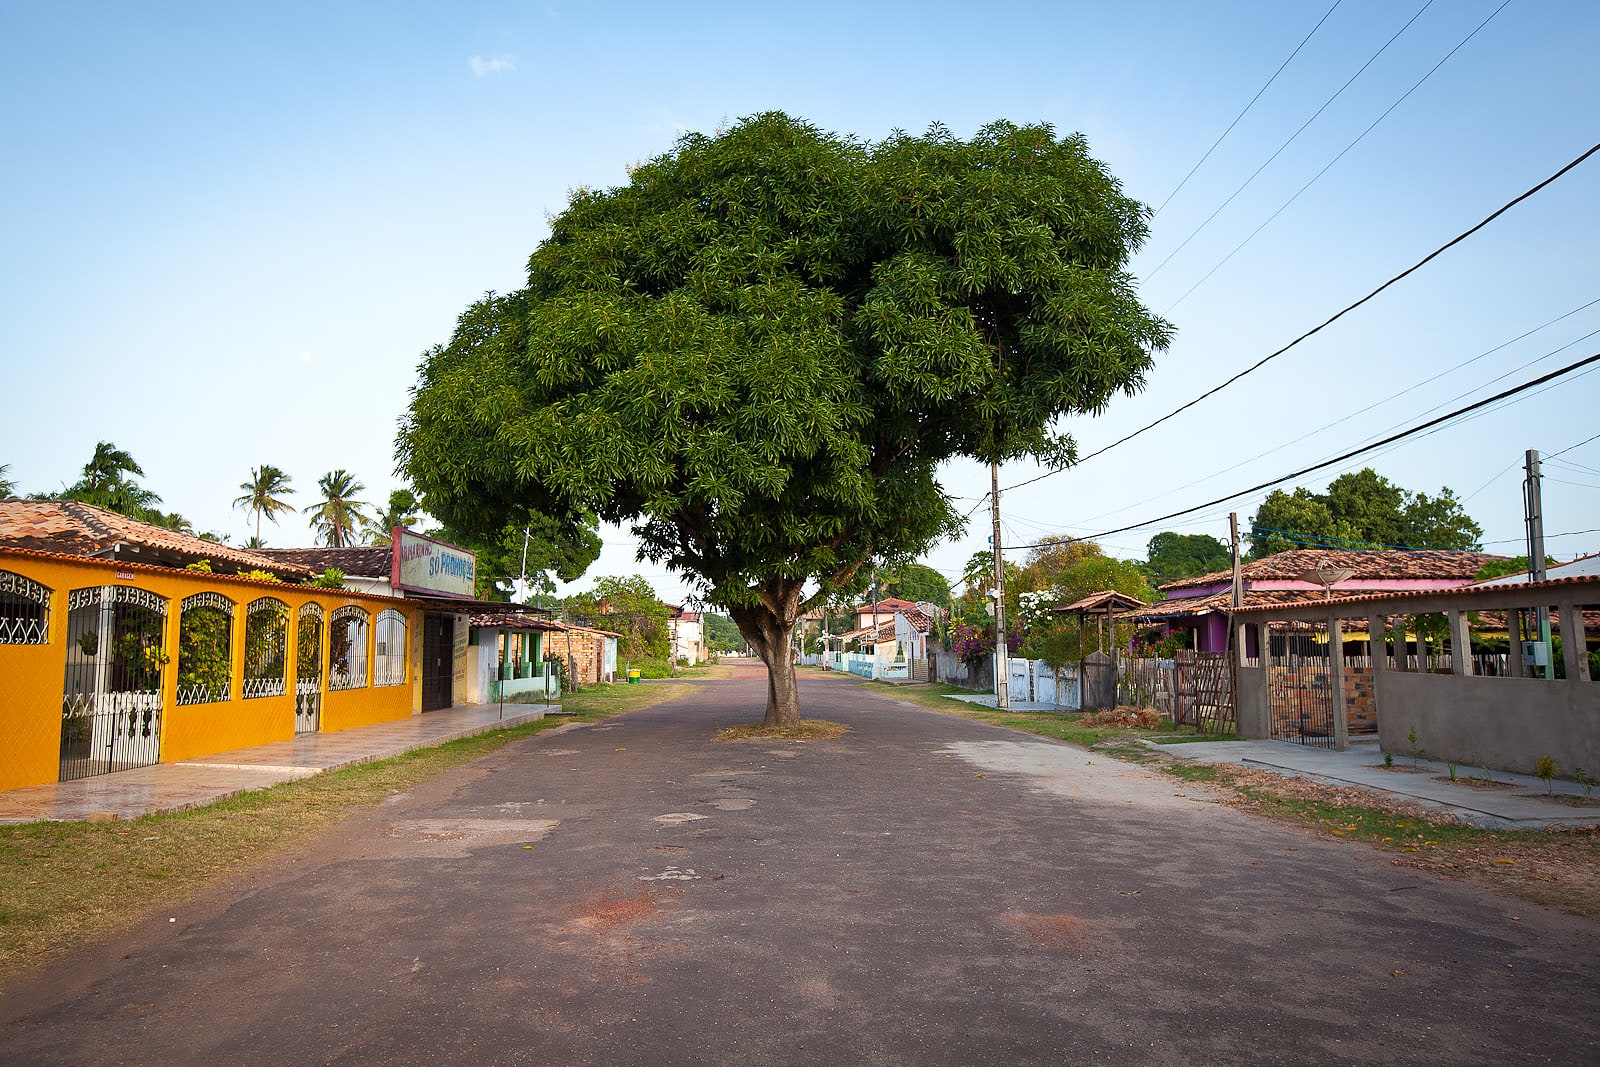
(1341, 709)
(1460, 642)
(1514, 643)
(1573, 648)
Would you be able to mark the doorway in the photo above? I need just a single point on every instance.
(438, 661)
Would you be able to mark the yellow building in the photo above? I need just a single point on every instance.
(114, 655)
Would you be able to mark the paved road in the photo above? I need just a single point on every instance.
(925, 891)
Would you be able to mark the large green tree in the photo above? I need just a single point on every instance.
(759, 350)
(1172, 556)
(1362, 509)
(542, 546)
(916, 582)
(627, 606)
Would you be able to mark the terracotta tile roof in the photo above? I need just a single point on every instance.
(130, 565)
(74, 528)
(886, 604)
(1223, 602)
(1373, 565)
(1105, 600)
(1460, 592)
(357, 561)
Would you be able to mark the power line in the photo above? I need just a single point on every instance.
(1263, 361)
(1377, 404)
(1302, 472)
(1317, 176)
(1569, 448)
(1292, 137)
(1248, 106)
(1524, 540)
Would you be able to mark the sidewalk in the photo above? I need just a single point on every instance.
(191, 783)
(1517, 803)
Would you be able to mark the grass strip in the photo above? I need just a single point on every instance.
(65, 883)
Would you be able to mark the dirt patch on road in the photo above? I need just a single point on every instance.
(610, 909)
(1064, 933)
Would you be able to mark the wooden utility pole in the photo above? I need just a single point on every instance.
(1002, 661)
(1238, 577)
(1533, 502)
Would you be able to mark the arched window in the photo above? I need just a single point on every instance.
(266, 647)
(24, 611)
(205, 649)
(347, 648)
(308, 670)
(389, 651)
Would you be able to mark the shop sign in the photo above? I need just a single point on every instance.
(424, 565)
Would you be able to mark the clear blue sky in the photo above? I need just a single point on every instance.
(231, 231)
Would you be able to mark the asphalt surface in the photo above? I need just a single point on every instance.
(925, 890)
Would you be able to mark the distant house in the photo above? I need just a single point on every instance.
(687, 632)
(1200, 605)
(897, 639)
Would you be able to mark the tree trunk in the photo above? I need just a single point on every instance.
(768, 634)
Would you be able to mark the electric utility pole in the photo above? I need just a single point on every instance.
(1002, 661)
(1533, 506)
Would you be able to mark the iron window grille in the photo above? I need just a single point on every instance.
(266, 645)
(24, 611)
(205, 649)
(347, 648)
(389, 652)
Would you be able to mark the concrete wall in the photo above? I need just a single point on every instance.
(1502, 723)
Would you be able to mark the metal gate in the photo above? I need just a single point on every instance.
(438, 660)
(1302, 686)
(308, 671)
(1203, 694)
(111, 695)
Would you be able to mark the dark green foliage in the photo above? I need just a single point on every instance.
(203, 651)
(563, 548)
(918, 583)
(1173, 556)
(1362, 510)
(626, 606)
(759, 350)
(721, 634)
(1499, 568)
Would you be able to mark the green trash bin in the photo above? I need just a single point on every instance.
(633, 675)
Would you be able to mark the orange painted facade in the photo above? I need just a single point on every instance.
(32, 675)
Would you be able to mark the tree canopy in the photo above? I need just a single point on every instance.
(339, 517)
(1172, 556)
(1362, 509)
(758, 351)
(916, 582)
(627, 606)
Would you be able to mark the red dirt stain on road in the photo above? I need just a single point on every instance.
(609, 909)
(1064, 933)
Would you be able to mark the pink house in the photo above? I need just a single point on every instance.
(1201, 605)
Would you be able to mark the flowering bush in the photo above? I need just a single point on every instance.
(970, 643)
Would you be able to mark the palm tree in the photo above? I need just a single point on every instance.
(404, 511)
(107, 467)
(263, 494)
(8, 487)
(338, 515)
